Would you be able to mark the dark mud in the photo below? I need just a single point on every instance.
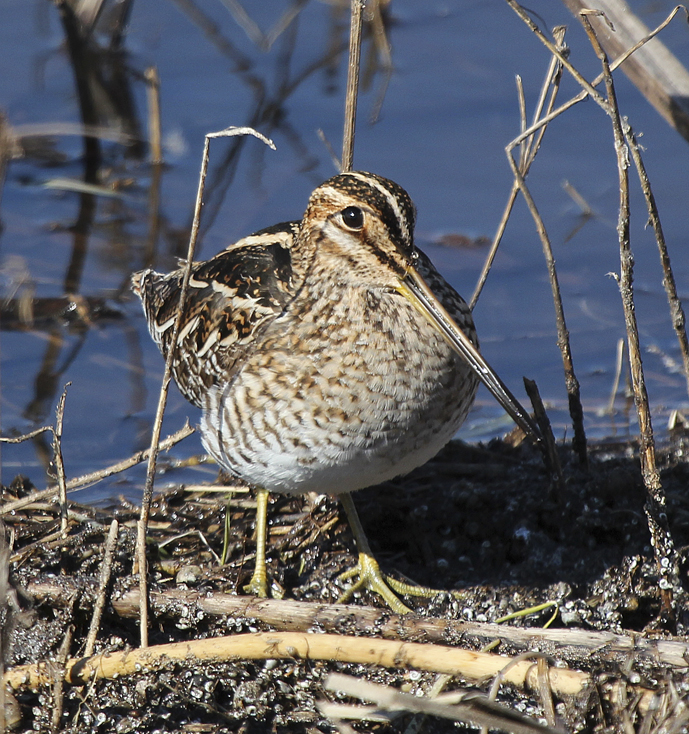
(482, 522)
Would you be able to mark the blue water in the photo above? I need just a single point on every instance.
(449, 111)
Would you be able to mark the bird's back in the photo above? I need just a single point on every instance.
(230, 298)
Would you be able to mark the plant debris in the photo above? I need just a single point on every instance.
(479, 522)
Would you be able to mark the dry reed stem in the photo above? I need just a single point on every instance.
(661, 540)
(27, 437)
(466, 706)
(588, 90)
(62, 484)
(571, 383)
(655, 71)
(550, 453)
(85, 479)
(576, 412)
(585, 92)
(153, 99)
(167, 373)
(676, 311)
(59, 461)
(529, 148)
(331, 151)
(357, 7)
(619, 360)
(545, 690)
(263, 41)
(50, 129)
(58, 671)
(246, 23)
(105, 572)
(473, 666)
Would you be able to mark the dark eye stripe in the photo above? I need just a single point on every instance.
(391, 202)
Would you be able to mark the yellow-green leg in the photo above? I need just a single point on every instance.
(259, 581)
(368, 570)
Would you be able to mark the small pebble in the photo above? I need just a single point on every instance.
(189, 575)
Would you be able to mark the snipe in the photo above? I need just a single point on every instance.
(326, 354)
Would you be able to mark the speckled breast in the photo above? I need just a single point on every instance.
(340, 393)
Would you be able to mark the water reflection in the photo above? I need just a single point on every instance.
(112, 235)
(66, 255)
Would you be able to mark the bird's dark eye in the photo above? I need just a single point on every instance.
(353, 217)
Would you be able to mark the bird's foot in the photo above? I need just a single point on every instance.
(371, 578)
(258, 585)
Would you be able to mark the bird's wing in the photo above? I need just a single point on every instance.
(230, 297)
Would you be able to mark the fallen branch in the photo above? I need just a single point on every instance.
(473, 666)
(467, 706)
(575, 644)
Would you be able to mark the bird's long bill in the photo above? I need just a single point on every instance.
(414, 287)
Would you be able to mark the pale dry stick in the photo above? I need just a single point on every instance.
(488, 264)
(619, 360)
(676, 311)
(59, 462)
(167, 375)
(655, 507)
(196, 533)
(153, 99)
(564, 60)
(85, 479)
(63, 485)
(545, 691)
(542, 681)
(552, 82)
(352, 84)
(50, 129)
(336, 712)
(439, 685)
(522, 118)
(156, 159)
(27, 437)
(585, 92)
(105, 571)
(571, 382)
(554, 74)
(578, 199)
(264, 41)
(474, 666)
(576, 412)
(468, 707)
